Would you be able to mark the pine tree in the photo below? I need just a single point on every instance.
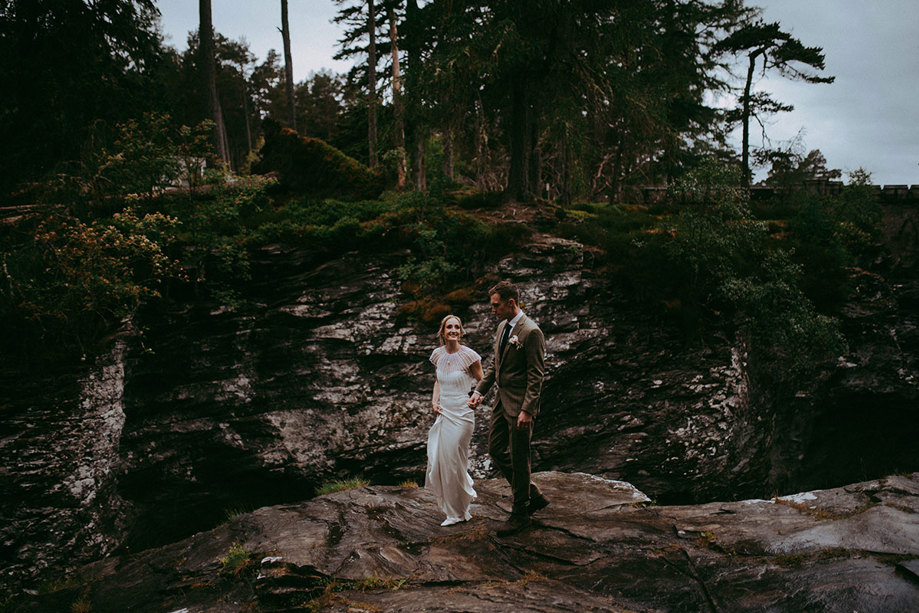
(780, 51)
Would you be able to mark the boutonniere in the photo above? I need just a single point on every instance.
(515, 342)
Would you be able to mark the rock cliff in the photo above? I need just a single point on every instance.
(598, 546)
(321, 376)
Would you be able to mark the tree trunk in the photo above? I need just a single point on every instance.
(448, 153)
(288, 68)
(421, 181)
(534, 161)
(414, 129)
(481, 146)
(517, 173)
(565, 187)
(615, 191)
(209, 68)
(372, 85)
(746, 176)
(242, 72)
(398, 110)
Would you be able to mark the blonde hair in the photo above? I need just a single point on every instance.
(443, 324)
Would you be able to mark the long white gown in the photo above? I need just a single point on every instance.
(448, 440)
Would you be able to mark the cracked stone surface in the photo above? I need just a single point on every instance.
(319, 378)
(599, 546)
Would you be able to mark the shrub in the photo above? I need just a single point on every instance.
(471, 199)
(714, 258)
(449, 248)
(612, 228)
(74, 277)
(816, 246)
(857, 213)
(776, 313)
(144, 156)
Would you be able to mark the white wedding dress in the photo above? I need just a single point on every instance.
(448, 440)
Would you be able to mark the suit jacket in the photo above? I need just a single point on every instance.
(519, 369)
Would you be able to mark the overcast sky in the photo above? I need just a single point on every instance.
(868, 118)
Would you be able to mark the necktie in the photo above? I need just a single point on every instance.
(504, 337)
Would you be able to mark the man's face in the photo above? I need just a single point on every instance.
(503, 309)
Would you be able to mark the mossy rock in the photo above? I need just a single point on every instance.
(462, 297)
(313, 167)
(426, 310)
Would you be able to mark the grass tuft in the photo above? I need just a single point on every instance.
(337, 486)
(236, 560)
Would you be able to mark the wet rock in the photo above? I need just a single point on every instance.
(598, 546)
(318, 377)
(61, 450)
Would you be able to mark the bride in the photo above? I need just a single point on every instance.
(458, 369)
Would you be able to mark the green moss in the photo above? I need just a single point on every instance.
(338, 486)
(311, 166)
(790, 561)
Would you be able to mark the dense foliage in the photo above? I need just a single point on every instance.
(706, 259)
(67, 65)
(544, 101)
(541, 99)
(71, 274)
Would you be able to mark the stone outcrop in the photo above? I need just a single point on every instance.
(60, 445)
(598, 546)
(320, 376)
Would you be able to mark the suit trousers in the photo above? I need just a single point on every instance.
(509, 449)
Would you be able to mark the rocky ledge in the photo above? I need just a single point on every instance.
(601, 545)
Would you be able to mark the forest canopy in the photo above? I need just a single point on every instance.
(138, 171)
(550, 99)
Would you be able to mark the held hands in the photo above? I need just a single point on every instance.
(475, 400)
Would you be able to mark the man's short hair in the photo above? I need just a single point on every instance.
(505, 291)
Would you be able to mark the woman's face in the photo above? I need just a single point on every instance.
(453, 329)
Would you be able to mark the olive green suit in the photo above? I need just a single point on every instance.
(518, 371)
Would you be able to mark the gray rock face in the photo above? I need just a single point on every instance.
(216, 411)
(59, 469)
(598, 546)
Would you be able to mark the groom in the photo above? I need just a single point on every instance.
(518, 368)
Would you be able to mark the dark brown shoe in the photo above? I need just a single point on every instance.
(537, 504)
(515, 524)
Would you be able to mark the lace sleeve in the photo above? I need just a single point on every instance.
(435, 355)
(469, 357)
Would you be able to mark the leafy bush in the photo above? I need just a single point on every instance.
(142, 158)
(613, 228)
(704, 258)
(445, 247)
(448, 248)
(714, 258)
(857, 214)
(775, 311)
(70, 276)
(829, 233)
(817, 248)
